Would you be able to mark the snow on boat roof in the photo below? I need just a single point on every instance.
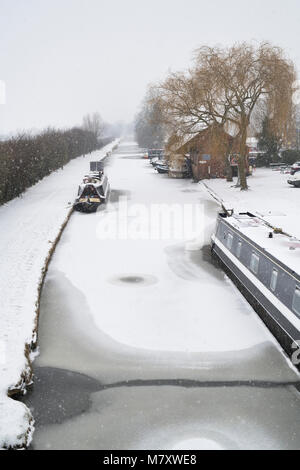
(282, 246)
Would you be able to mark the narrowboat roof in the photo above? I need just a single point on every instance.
(282, 247)
(93, 179)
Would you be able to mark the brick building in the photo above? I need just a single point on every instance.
(207, 152)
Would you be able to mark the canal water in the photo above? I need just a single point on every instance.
(144, 342)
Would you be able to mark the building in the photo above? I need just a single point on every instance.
(207, 151)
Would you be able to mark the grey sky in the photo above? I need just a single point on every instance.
(63, 58)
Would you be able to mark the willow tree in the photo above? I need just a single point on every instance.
(223, 89)
(248, 76)
(190, 102)
(149, 125)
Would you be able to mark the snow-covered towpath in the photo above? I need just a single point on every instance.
(29, 226)
(145, 343)
(269, 195)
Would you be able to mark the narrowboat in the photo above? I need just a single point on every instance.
(154, 153)
(264, 263)
(93, 192)
(162, 167)
(294, 179)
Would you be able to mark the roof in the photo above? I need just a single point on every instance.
(282, 246)
(188, 138)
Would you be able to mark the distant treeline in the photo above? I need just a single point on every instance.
(26, 159)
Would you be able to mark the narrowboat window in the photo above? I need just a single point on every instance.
(229, 241)
(296, 301)
(254, 263)
(239, 249)
(274, 278)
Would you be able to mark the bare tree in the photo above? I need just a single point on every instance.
(94, 123)
(149, 126)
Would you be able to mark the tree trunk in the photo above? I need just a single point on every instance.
(242, 180)
(228, 167)
(229, 177)
(242, 159)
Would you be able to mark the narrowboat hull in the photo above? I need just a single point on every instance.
(87, 207)
(162, 169)
(273, 307)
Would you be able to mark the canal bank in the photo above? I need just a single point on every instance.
(146, 344)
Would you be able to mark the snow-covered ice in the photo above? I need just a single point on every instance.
(163, 418)
(29, 226)
(186, 322)
(174, 314)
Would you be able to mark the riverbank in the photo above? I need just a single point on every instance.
(31, 226)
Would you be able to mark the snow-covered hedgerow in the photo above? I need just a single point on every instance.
(26, 159)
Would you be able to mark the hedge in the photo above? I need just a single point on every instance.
(26, 159)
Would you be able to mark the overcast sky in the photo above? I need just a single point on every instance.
(61, 59)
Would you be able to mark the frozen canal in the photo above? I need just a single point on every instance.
(145, 344)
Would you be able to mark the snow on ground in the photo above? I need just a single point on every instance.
(269, 195)
(29, 226)
(274, 200)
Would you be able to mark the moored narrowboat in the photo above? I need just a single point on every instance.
(265, 264)
(162, 167)
(92, 193)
